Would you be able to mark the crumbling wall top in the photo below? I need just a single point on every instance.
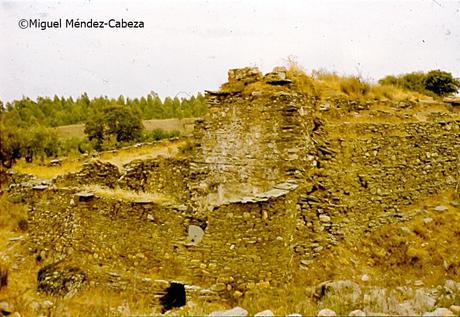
(247, 75)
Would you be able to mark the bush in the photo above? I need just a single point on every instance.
(441, 83)
(160, 134)
(436, 82)
(114, 124)
(354, 86)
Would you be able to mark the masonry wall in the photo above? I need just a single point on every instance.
(367, 174)
(167, 176)
(250, 141)
(350, 178)
(128, 245)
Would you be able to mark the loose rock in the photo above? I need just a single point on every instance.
(326, 312)
(267, 312)
(237, 311)
(441, 208)
(440, 312)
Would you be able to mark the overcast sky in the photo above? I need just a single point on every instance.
(188, 46)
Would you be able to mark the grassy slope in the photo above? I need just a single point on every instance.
(182, 125)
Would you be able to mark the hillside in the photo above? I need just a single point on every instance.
(181, 125)
(291, 195)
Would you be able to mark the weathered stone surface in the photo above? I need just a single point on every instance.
(195, 234)
(455, 309)
(267, 312)
(441, 208)
(326, 312)
(422, 301)
(439, 312)
(60, 280)
(93, 172)
(357, 313)
(405, 309)
(84, 196)
(348, 291)
(167, 176)
(4, 306)
(237, 311)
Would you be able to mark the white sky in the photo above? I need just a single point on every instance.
(188, 46)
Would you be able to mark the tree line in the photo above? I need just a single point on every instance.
(26, 126)
(59, 111)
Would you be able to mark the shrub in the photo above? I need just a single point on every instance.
(354, 86)
(441, 83)
(160, 134)
(436, 82)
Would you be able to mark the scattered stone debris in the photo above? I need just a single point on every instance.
(349, 291)
(60, 280)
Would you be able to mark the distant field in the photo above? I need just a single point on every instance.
(182, 125)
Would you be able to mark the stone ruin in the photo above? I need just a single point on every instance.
(271, 182)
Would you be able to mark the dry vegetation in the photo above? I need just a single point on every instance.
(71, 164)
(183, 125)
(164, 148)
(323, 84)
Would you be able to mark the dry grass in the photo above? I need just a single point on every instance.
(71, 131)
(182, 125)
(71, 164)
(165, 148)
(397, 254)
(11, 215)
(322, 83)
(42, 170)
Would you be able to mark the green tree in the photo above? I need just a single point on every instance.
(118, 122)
(436, 82)
(10, 145)
(441, 83)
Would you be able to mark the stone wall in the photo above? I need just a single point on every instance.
(367, 173)
(272, 182)
(249, 142)
(168, 176)
(118, 244)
